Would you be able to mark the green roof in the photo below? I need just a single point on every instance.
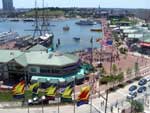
(38, 47)
(50, 59)
(7, 55)
(37, 58)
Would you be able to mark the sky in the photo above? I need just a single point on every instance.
(83, 3)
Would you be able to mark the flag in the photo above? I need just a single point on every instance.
(106, 42)
(18, 88)
(91, 40)
(67, 95)
(109, 42)
(32, 86)
(51, 91)
(83, 97)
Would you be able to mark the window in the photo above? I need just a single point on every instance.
(33, 70)
(44, 70)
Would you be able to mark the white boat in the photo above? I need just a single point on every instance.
(8, 36)
(86, 22)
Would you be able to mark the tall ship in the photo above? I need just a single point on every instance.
(42, 34)
(8, 36)
(86, 22)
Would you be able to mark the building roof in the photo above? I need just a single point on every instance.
(7, 55)
(37, 58)
(50, 59)
(38, 47)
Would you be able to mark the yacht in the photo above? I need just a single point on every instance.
(86, 22)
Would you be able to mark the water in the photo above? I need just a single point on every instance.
(66, 37)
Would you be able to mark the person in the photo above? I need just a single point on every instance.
(111, 109)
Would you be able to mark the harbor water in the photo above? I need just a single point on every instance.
(68, 44)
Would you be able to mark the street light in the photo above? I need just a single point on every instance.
(43, 98)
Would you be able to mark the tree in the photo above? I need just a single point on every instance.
(136, 68)
(120, 77)
(114, 68)
(129, 72)
(137, 106)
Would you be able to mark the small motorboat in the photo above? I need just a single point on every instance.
(76, 38)
(66, 28)
(96, 29)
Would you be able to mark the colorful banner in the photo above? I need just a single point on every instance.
(18, 90)
(83, 97)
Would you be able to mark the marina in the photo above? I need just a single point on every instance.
(66, 46)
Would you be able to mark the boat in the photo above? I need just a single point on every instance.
(46, 40)
(96, 29)
(14, 20)
(29, 20)
(66, 28)
(8, 36)
(46, 37)
(76, 38)
(86, 22)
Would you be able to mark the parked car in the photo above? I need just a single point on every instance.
(133, 88)
(141, 89)
(132, 94)
(142, 82)
(147, 78)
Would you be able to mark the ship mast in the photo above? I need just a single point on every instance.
(44, 26)
(37, 30)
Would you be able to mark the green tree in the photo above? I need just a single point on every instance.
(137, 106)
(136, 68)
(129, 72)
(120, 77)
(114, 68)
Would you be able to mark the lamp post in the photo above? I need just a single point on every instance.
(43, 98)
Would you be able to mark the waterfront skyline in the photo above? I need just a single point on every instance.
(84, 3)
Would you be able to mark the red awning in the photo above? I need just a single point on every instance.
(145, 44)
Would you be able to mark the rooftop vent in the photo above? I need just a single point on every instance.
(57, 54)
(11, 53)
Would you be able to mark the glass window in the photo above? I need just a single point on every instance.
(33, 69)
(44, 70)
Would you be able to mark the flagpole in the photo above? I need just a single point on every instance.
(74, 95)
(91, 62)
(106, 101)
(58, 94)
(25, 74)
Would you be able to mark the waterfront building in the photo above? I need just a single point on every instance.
(39, 66)
(8, 5)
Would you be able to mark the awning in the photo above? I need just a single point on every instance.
(78, 77)
(145, 44)
(64, 79)
(43, 80)
(47, 79)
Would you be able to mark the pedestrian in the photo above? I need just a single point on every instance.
(111, 109)
(116, 104)
(118, 109)
(101, 104)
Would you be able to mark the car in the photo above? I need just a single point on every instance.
(147, 78)
(142, 82)
(141, 89)
(133, 88)
(132, 95)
